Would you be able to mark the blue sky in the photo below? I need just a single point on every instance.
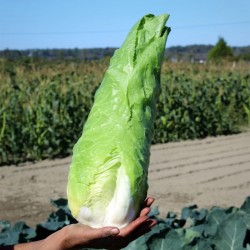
(28, 24)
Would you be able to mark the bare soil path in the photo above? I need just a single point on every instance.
(208, 172)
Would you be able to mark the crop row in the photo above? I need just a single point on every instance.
(43, 106)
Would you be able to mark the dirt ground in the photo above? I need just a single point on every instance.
(209, 172)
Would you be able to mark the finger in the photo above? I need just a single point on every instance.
(145, 228)
(132, 226)
(148, 202)
(147, 225)
(145, 211)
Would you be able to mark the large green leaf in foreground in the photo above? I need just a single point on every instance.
(108, 175)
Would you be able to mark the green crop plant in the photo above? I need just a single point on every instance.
(247, 110)
(40, 100)
(194, 228)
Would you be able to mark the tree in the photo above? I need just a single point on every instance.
(220, 51)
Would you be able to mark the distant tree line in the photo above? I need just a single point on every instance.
(54, 54)
(193, 53)
(197, 53)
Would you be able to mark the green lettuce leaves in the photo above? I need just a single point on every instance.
(107, 181)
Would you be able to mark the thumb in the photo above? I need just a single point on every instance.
(104, 232)
(109, 231)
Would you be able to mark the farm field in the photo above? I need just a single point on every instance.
(207, 172)
(43, 108)
(41, 100)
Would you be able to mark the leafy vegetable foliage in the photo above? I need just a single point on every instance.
(107, 180)
(214, 229)
(41, 101)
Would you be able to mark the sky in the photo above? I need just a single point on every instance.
(41, 24)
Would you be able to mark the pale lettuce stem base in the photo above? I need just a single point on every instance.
(119, 211)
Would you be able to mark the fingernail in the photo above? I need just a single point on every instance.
(151, 200)
(114, 231)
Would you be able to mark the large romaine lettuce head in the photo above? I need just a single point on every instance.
(107, 181)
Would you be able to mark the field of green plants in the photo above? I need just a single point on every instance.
(44, 104)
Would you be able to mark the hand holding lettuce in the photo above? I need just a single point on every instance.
(107, 181)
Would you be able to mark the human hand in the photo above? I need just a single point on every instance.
(78, 236)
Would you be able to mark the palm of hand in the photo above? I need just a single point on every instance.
(77, 235)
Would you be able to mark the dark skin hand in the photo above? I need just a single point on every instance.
(77, 236)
